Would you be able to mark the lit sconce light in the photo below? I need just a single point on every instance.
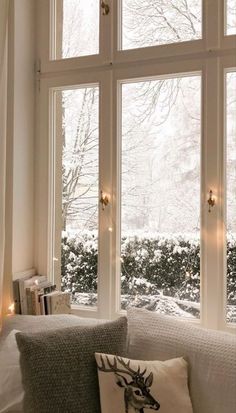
(11, 309)
(211, 201)
(110, 229)
(104, 200)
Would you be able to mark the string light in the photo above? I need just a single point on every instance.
(11, 309)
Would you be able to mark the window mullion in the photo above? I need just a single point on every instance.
(56, 185)
(43, 179)
(106, 33)
(212, 23)
(212, 223)
(105, 212)
(116, 195)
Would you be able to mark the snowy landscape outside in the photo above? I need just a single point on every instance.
(160, 167)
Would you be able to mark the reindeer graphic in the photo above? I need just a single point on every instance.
(137, 395)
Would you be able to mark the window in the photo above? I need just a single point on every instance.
(230, 17)
(160, 169)
(76, 30)
(135, 156)
(80, 176)
(231, 181)
(146, 23)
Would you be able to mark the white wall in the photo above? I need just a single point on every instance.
(24, 131)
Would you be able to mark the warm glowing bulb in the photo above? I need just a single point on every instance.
(11, 308)
(110, 229)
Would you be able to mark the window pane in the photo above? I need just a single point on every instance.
(160, 206)
(79, 236)
(150, 23)
(230, 17)
(231, 195)
(77, 28)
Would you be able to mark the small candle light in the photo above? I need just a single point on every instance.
(11, 309)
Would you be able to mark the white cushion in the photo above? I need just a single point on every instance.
(155, 385)
(211, 356)
(11, 390)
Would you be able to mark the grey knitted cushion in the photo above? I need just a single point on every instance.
(211, 356)
(59, 369)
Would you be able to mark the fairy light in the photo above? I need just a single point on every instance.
(11, 309)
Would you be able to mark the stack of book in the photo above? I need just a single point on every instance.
(35, 295)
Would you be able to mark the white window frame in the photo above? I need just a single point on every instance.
(210, 55)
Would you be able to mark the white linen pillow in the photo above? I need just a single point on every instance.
(126, 385)
(211, 356)
(11, 389)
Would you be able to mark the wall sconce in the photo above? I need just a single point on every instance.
(105, 7)
(104, 200)
(211, 201)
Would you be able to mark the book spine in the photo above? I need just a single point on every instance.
(45, 304)
(38, 306)
(34, 302)
(22, 297)
(16, 297)
(49, 309)
(42, 308)
(28, 301)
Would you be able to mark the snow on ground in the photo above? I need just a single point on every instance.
(231, 313)
(158, 303)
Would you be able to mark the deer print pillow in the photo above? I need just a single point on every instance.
(135, 386)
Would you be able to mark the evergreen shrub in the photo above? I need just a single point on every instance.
(149, 266)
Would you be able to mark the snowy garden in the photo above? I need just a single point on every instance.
(157, 273)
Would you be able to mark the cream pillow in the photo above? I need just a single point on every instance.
(143, 386)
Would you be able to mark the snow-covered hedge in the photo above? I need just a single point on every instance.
(149, 265)
(79, 263)
(231, 270)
